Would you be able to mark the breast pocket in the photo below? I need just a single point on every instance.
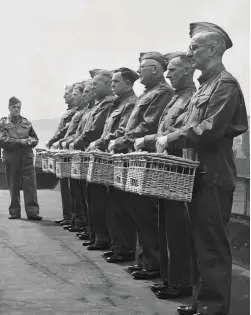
(201, 105)
(23, 130)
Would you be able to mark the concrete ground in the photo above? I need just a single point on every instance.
(45, 270)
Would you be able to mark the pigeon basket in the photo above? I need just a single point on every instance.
(52, 161)
(100, 168)
(80, 165)
(63, 164)
(38, 158)
(121, 163)
(44, 157)
(160, 175)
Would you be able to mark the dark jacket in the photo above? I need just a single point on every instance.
(117, 119)
(145, 115)
(216, 114)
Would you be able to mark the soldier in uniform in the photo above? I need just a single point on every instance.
(216, 114)
(133, 210)
(175, 256)
(62, 128)
(92, 131)
(17, 139)
(122, 86)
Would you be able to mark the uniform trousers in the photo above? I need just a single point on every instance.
(66, 198)
(210, 210)
(99, 209)
(78, 203)
(174, 241)
(19, 169)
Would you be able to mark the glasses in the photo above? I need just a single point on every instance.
(194, 47)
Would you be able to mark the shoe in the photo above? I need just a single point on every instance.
(187, 309)
(79, 233)
(118, 258)
(35, 218)
(65, 222)
(59, 221)
(87, 243)
(76, 229)
(84, 237)
(109, 253)
(158, 286)
(13, 217)
(173, 293)
(146, 275)
(98, 247)
(66, 227)
(133, 268)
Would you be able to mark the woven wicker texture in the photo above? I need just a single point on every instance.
(38, 157)
(80, 165)
(160, 175)
(63, 164)
(121, 163)
(101, 168)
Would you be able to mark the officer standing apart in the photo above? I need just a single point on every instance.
(216, 115)
(17, 138)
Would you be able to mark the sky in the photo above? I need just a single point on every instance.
(48, 44)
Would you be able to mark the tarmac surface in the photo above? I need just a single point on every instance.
(44, 270)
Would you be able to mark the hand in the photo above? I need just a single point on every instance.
(56, 145)
(139, 144)
(91, 146)
(111, 145)
(64, 144)
(24, 141)
(72, 146)
(161, 144)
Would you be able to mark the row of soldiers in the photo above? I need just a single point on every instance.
(186, 245)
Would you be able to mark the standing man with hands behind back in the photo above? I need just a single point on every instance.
(17, 139)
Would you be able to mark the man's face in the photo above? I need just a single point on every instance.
(99, 86)
(15, 109)
(68, 96)
(175, 72)
(88, 94)
(119, 85)
(146, 71)
(199, 51)
(76, 97)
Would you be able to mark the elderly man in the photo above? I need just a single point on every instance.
(216, 115)
(61, 130)
(122, 85)
(17, 138)
(133, 210)
(175, 257)
(92, 131)
(78, 203)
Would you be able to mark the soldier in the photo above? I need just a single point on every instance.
(17, 138)
(92, 131)
(175, 257)
(78, 202)
(62, 128)
(134, 210)
(216, 115)
(122, 86)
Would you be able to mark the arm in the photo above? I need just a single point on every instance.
(33, 138)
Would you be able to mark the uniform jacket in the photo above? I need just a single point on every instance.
(95, 123)
(63, 125)
(145, 115)
(117, 119)
(174, 109)
(216, 114)
(11, 132)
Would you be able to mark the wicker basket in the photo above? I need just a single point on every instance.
(52, 161)
(121, 163)
(100, 168)
(160, 175)
(38, 157)
(63, 164)
(80, 165)
(44, 156)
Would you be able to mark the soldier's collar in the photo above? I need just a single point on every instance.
(184, 88)
(214, 71)
(155, 83)
(120, 98)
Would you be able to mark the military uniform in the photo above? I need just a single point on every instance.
(64, 182)
(175, 254)
(141, 211)
(216, 114)
(92, 131)
(19, 163)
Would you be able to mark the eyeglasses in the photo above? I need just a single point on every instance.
(194, 47)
